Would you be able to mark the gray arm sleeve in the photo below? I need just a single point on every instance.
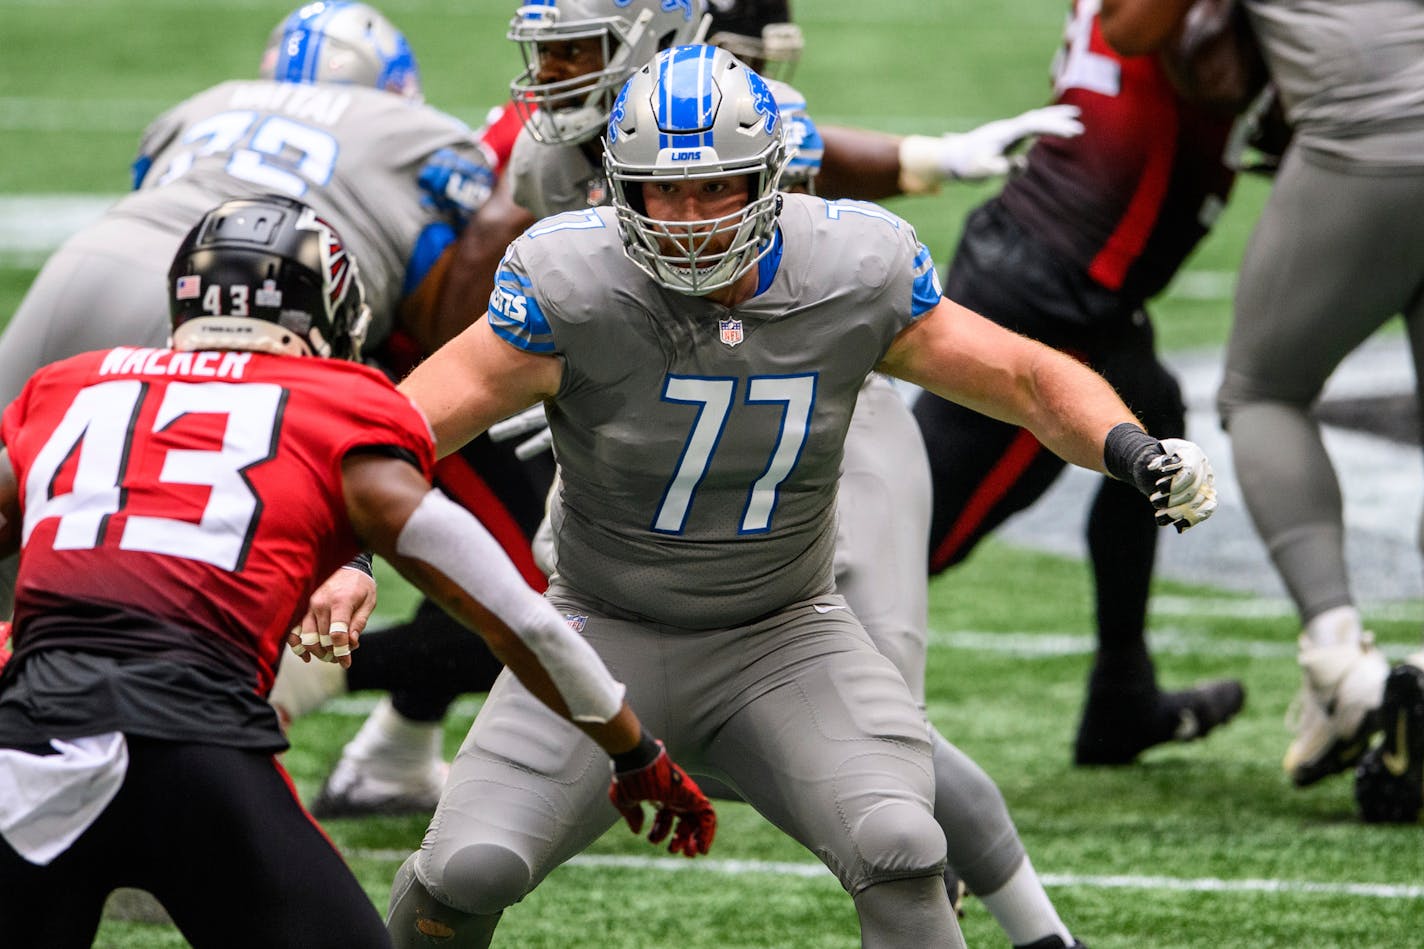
(446, 536)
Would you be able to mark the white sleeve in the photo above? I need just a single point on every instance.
(446, 536)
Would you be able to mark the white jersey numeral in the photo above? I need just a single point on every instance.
(279, 154)
(1076, 66)
(796, 395)
(98, 428)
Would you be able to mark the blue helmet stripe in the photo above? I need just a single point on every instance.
(686, 102)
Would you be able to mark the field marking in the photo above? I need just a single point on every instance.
(1392, 891)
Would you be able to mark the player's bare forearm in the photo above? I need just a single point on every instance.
(859, 163)
(959, 355)
(1137, 27)
(475, 380)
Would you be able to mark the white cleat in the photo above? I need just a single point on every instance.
(1334, 714)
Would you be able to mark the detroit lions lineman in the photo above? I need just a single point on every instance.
(700, 346)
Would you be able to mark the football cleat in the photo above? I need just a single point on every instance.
(1389, 782)
(1117, 727)
(351, 790)
(1336, 710)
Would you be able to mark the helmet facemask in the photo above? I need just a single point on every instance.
(571, 111)
(696, 113)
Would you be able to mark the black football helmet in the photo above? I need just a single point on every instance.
(267, 274)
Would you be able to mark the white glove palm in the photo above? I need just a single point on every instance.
(1186, 491)
(979, 153)
(531, 422)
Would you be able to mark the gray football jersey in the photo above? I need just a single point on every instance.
(1350, 73)
(700, 447)
(549, 179)
(354, 154)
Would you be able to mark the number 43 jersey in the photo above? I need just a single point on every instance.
(185, 505)
(700, 446)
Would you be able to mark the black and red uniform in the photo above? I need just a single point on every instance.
(179, 510)
(1068, 253)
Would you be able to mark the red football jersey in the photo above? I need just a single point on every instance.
(200, 490)
(1129, 198)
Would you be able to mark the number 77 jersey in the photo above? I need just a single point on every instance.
(188, 503)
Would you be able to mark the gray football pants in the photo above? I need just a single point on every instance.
(882, 548)
(797, 713)
(1336, 253)
(104, 287)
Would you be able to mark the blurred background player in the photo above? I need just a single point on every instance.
(725, 304)
(1068, 253)
(338, 121)
(136, 744)
(1351, 79)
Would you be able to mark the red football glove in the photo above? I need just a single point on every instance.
(4, 643)
(677, 798)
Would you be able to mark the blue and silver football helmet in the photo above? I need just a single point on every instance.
(695, 112)
(338, 41)
(569, 111)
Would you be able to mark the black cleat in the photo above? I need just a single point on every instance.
(1389, 781)
(1116, 728)
(1052, 942)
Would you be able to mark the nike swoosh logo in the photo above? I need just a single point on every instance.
(823, 608)
(1397, 764)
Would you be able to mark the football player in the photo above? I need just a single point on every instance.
(700, 423)
(175, 507)
(338, 120)
(1068, 253)
(1308, 294)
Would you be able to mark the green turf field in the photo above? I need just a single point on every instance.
(1197, 846)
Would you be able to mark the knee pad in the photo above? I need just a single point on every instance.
(482, 879)
(897, 840)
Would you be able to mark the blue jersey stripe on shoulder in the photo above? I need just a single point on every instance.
(926, 293)
(515, 316)
(770, 264)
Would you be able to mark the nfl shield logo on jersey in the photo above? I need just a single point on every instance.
(731, 331)
(576, 622)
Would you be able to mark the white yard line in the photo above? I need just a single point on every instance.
(1394, 891)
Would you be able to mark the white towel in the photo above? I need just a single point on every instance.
(48, 801)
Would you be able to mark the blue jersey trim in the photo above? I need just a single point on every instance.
(429, 245)
(768, 266)
(515, 316)
(926, 292)
(139, 169)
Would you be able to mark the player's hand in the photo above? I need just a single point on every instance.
(1185, 492)
(806, 148)
(335, 617)
(982, 152)
(455, 185)
(682, 808)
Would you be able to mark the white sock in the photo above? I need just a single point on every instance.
(1023, 909)
(392, 746)
(1337, 626)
